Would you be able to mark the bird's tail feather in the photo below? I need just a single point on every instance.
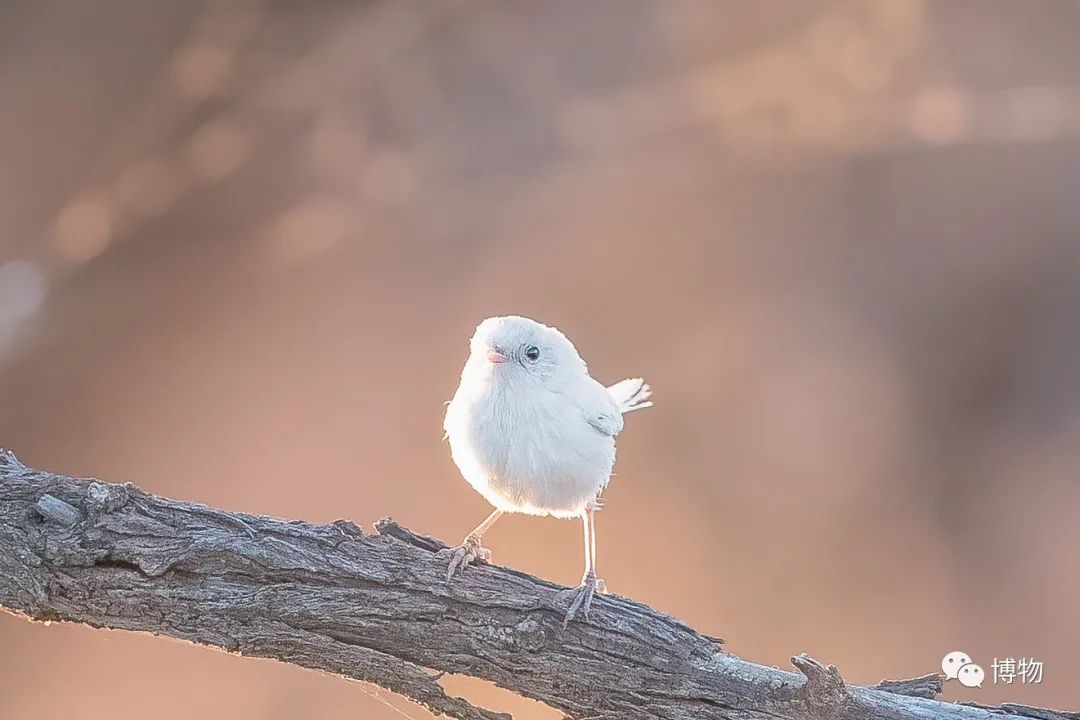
(631, 394)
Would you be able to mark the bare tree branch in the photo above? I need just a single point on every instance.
(376, 607)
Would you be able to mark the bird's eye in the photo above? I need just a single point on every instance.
(533, 353)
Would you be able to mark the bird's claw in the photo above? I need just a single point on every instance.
(466, 554)
(581, 597)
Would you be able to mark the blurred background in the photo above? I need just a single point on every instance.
(243, 245)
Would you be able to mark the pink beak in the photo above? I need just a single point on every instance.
(495, 356)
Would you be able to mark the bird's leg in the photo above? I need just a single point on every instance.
(582, 596)
(590, 567)
(470, 549)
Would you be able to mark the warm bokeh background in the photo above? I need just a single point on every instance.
(243, 244)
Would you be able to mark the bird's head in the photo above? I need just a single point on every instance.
(514, 346)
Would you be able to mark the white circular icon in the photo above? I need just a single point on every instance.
(951, 664)
(971, 675)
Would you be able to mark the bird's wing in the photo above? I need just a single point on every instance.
(600, 409)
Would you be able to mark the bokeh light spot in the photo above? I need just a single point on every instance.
(83, 229)
(940, 115)
(217, 149)
(310, 228)
(22, 290)
(1036, 113)
(201, 70)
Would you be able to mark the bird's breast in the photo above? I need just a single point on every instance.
(527, 451)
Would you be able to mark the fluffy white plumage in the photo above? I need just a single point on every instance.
(536, 435)
(533, 433)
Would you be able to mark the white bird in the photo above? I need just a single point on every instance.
(534, 433)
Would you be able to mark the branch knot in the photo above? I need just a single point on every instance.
(824, 691)
(106, 497)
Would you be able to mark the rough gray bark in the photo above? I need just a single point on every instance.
(376, 607)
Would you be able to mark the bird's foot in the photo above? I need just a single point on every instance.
(581, 597)
(466, 554)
